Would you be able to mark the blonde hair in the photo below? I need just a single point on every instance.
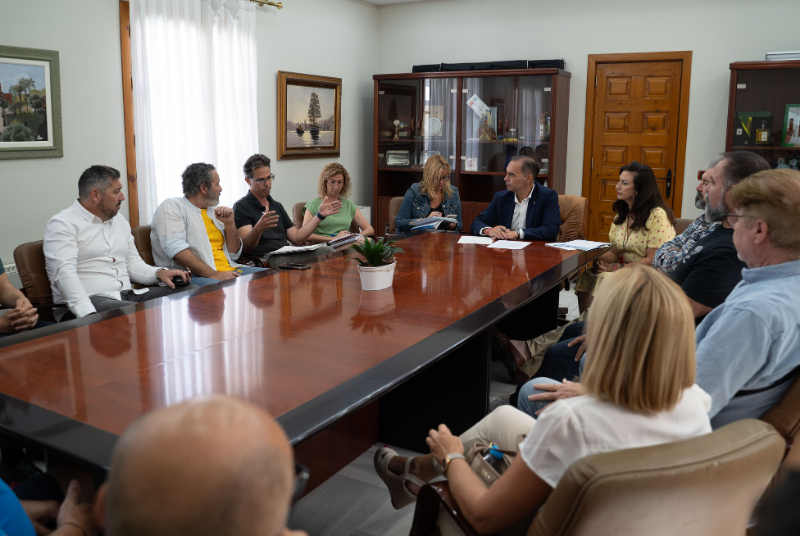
(772, 196)
(640, 341)
(431, 173)
(331, 170)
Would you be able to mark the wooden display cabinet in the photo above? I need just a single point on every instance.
(418, 115)
(765, 91)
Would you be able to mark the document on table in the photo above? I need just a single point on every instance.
(582, 245)
(509, 244)
(295, 249)
(484, 240)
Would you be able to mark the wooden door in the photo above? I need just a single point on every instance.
(636, 116)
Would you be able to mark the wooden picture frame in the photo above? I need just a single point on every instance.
(34, 110)
(309, 115)
(790, 134)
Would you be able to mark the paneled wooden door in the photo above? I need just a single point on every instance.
(636, 115)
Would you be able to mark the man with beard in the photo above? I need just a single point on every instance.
(671, 253)
(195, 233)
(90, 254)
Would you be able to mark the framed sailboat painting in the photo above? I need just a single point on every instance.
(309, 115)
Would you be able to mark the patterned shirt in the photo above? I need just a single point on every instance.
(672, 253)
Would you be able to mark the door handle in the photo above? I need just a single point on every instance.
(669, 183)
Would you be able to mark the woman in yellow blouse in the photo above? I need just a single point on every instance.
(643, 223)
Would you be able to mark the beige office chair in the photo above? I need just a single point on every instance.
(704, 486)
(30, 261)
(574, 217)
(141, 237)
(681, 225)
(394, 208)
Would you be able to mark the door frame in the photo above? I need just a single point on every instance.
(640, 57)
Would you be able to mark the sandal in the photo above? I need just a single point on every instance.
(400, 494)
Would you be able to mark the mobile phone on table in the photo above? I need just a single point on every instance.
(294, 266)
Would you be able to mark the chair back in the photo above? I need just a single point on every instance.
(704, 486)
(785, 415)
(394, 208)
(297, 214)
(574, 217)
(33, 273)
(681, 224)
(141, 237)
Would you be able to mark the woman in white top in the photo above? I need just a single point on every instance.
(638, 387)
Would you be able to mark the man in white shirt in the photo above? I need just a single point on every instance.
(193, 232)
(90, 254)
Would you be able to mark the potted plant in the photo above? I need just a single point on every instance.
(377, 268)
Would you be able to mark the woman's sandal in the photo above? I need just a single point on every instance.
(400, 494)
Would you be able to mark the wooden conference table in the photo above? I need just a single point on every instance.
(339, 367)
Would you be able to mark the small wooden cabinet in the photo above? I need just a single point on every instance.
(477, 120)
(764, 111)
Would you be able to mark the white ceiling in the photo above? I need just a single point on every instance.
(387, 2)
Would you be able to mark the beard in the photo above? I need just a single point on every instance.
(110, 212)
(715, 213)
(699, 201)
(211, 199)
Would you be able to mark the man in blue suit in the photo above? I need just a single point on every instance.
(525, 211)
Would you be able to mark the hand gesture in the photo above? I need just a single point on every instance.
(21, 318)
(601, 266)
(435, 214)
(225, 276)
(340, 234)
(76, 514)
(555, 391)
(580, 339)
(511, 235)
(224, 214)
(327, 208)
(166, 276)
(442, 442)
(268, 220)
(41, 514)
(498, 232)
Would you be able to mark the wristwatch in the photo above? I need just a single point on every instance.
(449, 458)
(320, 216)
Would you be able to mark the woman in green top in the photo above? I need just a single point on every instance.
(334, 182)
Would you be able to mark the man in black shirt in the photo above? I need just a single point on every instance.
(263, 223)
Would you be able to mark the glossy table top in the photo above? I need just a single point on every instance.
(306, 345)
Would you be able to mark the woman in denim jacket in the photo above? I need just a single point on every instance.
(432, 196)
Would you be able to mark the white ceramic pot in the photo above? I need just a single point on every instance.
(376, 277)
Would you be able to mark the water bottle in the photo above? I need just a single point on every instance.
(495, 458)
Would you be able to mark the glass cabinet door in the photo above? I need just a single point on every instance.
(416, 119)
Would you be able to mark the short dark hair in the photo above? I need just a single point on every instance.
(648, 197)
(529, 165)
(741, 164)
(254, 162)
(96, 178)
(195, 176)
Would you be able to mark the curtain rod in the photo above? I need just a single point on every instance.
(262, 3)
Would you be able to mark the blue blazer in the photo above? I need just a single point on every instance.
(542, 220)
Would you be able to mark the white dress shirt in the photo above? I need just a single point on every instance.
(85, 255)
(178, 225)
(521, 213)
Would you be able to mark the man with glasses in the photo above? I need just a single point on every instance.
(212, 465)
(196, 233)
(748, 348)
(263, 224)
(671, 253)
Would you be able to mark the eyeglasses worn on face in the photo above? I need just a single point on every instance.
(262, 181)
(732, 218)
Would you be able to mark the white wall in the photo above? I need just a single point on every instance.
(327, 38)
(86, 35)
(718, 32)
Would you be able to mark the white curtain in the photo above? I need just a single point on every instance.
(194, 94)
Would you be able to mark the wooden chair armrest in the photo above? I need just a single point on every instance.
(431, 498)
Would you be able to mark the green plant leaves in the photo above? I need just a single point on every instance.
(376, 252)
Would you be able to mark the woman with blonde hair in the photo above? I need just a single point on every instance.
(433, 196)
(638, 390)
(334, 183)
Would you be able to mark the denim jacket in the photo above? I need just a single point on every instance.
(416, 205)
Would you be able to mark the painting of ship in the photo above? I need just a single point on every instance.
(314, 114)
(299, 129)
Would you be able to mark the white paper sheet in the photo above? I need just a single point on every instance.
(509, 244)
(295, 249)
(485, 240)
(583, 245)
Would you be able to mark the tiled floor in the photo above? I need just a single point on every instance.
(355, 502)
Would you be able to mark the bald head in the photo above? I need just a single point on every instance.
(210, 466)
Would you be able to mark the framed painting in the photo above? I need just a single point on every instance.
(791, 126)
(309, 115)
(30, 103)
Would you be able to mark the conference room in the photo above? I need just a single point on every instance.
(201, 198)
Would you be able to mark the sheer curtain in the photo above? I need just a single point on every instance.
(194, 94)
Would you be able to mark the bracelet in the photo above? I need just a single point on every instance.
(320, 216)
(75, 525)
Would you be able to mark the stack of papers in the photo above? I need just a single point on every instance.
(296, 249)
(346, 239)
(581, 245)
(431, 223)
(484, 240)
